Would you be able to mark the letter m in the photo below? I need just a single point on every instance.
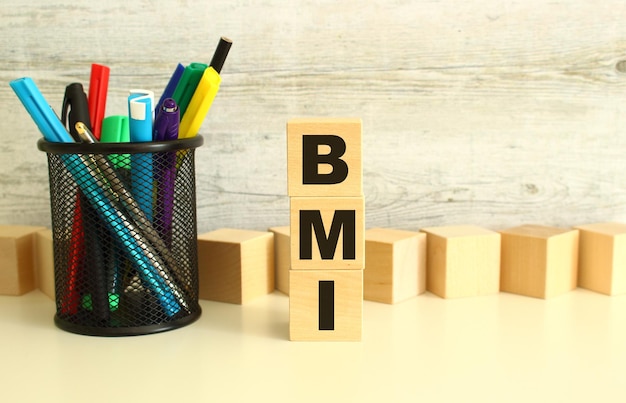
(311, 221)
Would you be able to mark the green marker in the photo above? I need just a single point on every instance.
(187, 85)
(114, 302)
(115, 129)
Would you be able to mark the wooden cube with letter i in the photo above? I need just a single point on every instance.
(325, 305)
(327, 229)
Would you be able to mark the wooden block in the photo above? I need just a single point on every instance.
(44, 262)
(395, 265)
(325, 305)
(282, 257)
(17, 273)
(327, 233)
(462, 261)
(539, 261)
(602, 258)
(324, 157)
(235, 265)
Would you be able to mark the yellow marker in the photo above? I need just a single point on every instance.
(200, 104)
(203, 97)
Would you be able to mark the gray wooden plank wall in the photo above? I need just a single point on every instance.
(490, 112)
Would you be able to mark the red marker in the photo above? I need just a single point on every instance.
(98, 88)
(71, 296)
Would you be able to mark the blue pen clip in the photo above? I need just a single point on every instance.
(41, 112)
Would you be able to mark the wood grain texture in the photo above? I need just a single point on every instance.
(491, 113)
(602, 258)
(395, 265)
(539, 261)
(462, 261)
(282, 257)
(17, 271)
(235, 265)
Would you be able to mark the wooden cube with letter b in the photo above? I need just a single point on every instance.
(327, 229)
(324, 157)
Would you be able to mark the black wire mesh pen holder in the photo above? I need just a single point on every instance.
(124, 236)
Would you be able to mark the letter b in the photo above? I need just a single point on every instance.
(324, 157)
(311, 159)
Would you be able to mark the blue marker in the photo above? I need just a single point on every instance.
(141, 114)
(171, 85)
(46, 120)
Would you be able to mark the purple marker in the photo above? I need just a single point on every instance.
(165, 129)
(167, 121)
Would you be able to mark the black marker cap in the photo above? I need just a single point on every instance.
(219, 57)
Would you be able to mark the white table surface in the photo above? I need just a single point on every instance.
(499, 348)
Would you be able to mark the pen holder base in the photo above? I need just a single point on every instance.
(124, 236)
(114, 331)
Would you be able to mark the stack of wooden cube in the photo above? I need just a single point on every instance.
(327, 229)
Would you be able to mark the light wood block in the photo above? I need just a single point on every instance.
(282, 257)
(539, 261)
(343, 244)
(395, 265)
(235, 265)
(340, 316)
(17, 273)
(44, 262)
(462, 261)
(344, 154)
(602, 258)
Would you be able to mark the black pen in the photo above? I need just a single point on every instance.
(75, 109)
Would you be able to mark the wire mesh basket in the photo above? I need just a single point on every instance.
(124, 236)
